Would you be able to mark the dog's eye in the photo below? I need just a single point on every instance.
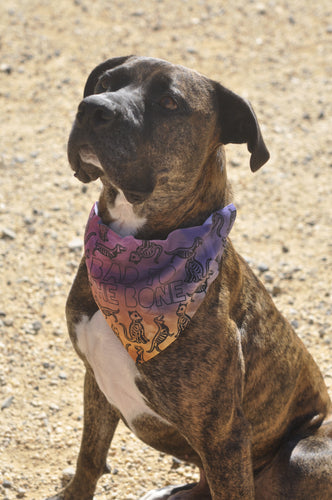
(168, 102)
(104, 82)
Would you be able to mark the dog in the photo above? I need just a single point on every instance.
(229, 387)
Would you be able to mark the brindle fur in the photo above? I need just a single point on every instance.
(242, 396)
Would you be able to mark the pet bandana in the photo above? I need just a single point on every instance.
(148, 290)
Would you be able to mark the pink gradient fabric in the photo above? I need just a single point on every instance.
(149, 290)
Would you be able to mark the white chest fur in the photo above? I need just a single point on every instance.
(126, 222)
(114, 369)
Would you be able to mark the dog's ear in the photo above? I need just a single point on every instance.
(238, 124)
(92, 80)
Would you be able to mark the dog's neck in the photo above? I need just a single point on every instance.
(159, 215)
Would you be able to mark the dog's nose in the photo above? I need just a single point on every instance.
(96, 111)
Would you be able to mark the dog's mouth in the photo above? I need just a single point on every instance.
(88, 155)
(86, 164)
(87, 167)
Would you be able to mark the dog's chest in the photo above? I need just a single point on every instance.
(114, 369)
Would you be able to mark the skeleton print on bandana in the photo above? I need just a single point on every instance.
(148, 291)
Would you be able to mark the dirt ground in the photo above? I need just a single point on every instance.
(278, 54)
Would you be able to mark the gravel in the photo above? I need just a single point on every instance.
(278, 55)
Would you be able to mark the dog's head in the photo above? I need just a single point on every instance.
(146, 123)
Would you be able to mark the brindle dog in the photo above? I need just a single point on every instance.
(237, 393)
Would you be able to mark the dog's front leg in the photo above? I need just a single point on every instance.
(100, 422)
(215, 424)
(227, 462)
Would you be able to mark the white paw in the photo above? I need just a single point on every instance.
(162, 494)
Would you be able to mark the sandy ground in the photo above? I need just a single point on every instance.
(278, 54)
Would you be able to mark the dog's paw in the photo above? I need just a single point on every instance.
(166, 493)
(162, 494)
(70, 495)
(63, 495)
(55, 497)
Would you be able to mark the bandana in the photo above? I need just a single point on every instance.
(148, 290)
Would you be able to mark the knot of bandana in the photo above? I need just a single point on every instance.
(148, 290)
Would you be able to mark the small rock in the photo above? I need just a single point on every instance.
(7, 403)
(36, 326)
(288, 275)
(276, 290)
(35, 404)
(175, 463)
(27, 328)
(8, 234)
(75, 244)
(295, 323)
(261, 8)
(19, 159)
(138, 13)
(67, 475)
(58, 332)
(8, 322)
(29, 220)
(62, 376)
(20, 493)
(6, 68)
(7, 484)
(262, 268)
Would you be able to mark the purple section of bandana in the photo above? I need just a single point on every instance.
(148, 290)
